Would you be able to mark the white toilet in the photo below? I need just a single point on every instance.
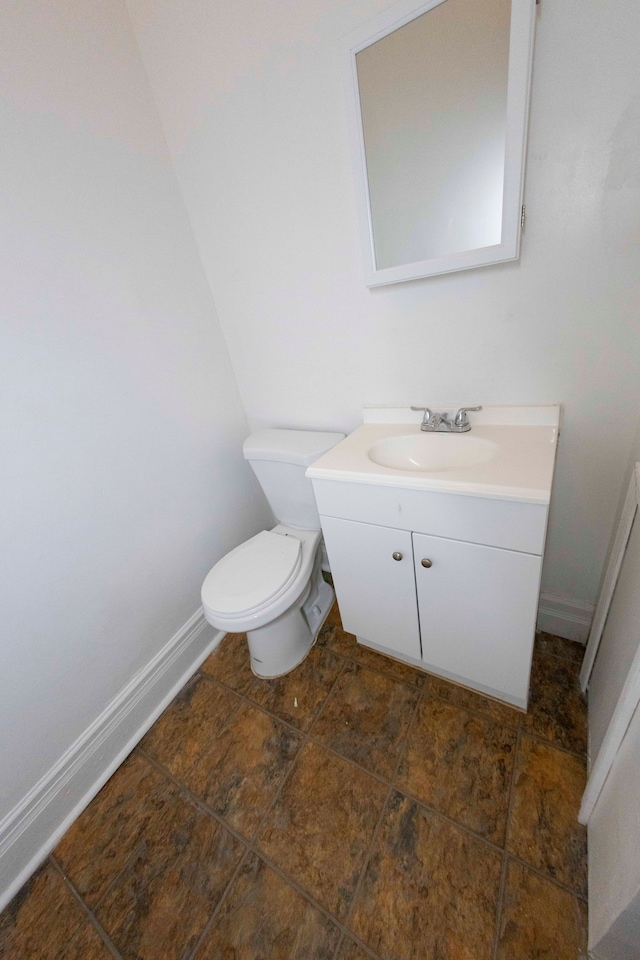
(271, 586)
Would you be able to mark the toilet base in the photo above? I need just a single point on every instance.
(279, 646)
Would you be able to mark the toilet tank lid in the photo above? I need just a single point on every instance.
(302, 447)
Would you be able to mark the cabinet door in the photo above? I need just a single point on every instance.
(478, 610)
(376, 594)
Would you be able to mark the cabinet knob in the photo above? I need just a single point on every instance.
(396, 555)
(426, 563)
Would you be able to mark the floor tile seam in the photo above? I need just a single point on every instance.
(552, 743)
(345, 656)
(232, 713)
(276, 796)
(402, 746)
(274, 716)
(201, 805)
(353, 763)
(450, 820)
(197, 801)
(394, 786)
(434, 810)
(89, 913)
(338, 948)
(309, 897)
(209, 924)
(330, 695)
(476, 713)
(378, 826)
(505, 860)
(251, 846)
(110, 885)
(545, 876)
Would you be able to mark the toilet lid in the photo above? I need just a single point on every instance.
(257, 571)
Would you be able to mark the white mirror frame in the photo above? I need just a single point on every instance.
(519, 82)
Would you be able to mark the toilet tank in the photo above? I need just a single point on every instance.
(279, 459)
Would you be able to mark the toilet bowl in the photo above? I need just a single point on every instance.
(271, 586)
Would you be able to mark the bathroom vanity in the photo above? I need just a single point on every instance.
(435, 540)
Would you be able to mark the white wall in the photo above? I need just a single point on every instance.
(614, 856)
(251, 98)
(122, 479)
(614, 825)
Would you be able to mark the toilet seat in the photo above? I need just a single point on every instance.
(253, 575)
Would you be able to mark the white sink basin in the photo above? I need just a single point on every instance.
(432, 452)
(507, 455)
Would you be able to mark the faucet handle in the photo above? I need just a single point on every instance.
(427, 413)
(461, 419)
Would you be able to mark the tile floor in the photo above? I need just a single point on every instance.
(354, 809)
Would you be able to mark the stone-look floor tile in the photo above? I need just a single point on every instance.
(97, 846)
(298, 696)
(367, 718)
(557, 708)
(186, 728)
(347, 646)
(559, 647)
(539, 920)
(461, 764)
(162, 900)
(544, 828)
(321, 825)
(429, 889)
(264, 917)
(238, 772)
(40, 919)
(86, 944)
(230, 663)
(470, 700)
(350, 950)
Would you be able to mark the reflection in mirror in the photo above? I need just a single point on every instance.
(440, 102)
(433, 97)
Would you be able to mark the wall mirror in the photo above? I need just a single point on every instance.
(438, 106)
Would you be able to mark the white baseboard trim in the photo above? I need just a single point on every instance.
(31, 830)
(564, 617)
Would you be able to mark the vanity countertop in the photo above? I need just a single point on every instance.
(508, 454)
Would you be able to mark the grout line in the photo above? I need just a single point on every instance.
(90, 916)
(195, 800)
(340, 924)
(198, 802)
(216, 909)
(426, 690)
(336, 952)
(307, 738)
(250, 848)
(250, 844)
(552, 743)
(507, 826)
(545, 876)
(378, 826)
(330, 696)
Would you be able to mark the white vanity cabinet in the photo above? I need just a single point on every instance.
(468, 613)
(477, 607)
(372, 569)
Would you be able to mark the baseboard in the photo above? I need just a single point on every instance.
(31, 830)
(564, 617)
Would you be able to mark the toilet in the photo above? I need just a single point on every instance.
(271, 586)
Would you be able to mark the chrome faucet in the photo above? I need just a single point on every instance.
(442, 422)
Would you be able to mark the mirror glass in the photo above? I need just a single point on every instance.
(440, 102)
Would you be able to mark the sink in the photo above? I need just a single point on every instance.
(432, 452)
(508, 454)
